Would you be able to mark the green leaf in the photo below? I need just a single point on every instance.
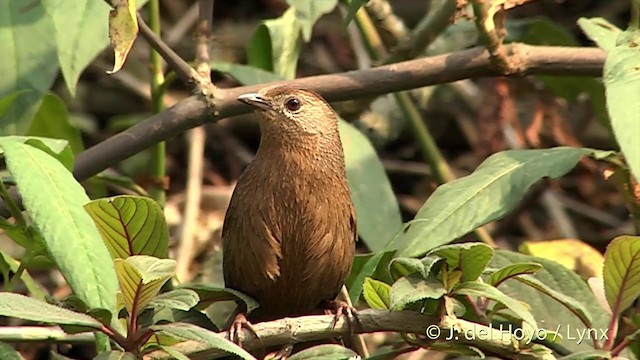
(622, 84)
(354, 6)
(621, 272)
(283, 35)
(65, 157)
(54, 199)
(209, 294)
(490, 192)
(600, 31)
(549, 313)
(57, 146)
(412, 288)
(6, 101)
(588, 355)
(7, 352)
(363, 266)
(376, 294)
(28, 61)
(402, 266)
(115, 355)
(246, 74)
(179, 299)
(131, 225)
(183, 331)
(570, 303)
(509, 271)
(141, 278)
(52, 121)
(34, 289)
(308, 12)
(325, 352)
(470, 258)
(473, 288)
(175, 354)
(81, 32)
(167, 315)
(377, 211)
(26, 308)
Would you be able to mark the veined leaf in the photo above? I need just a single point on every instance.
(131, 225)
(141, 278)
(325, 352)
(470, 258)
(622, 83)
(473, 288)
(570, 303)
(209, 294)
(497, 185)
(622, 272)
(26, 308)
(179, 299)
(376, 294)
(414, 287)
(183, 331)
(54, 199)
(509, 271)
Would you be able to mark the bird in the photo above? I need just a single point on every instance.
(289, 233)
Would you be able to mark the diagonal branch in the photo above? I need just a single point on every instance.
(471, 63)
(182, 69)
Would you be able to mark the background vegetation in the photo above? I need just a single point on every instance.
(492, 152)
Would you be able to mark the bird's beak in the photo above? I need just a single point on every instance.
(255, 100)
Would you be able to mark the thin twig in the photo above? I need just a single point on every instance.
(184, 71)
(472, 63)
(196, 140)
(424, 34)
(492, 34)
(383, 15)
(427, 144)
(358, 340)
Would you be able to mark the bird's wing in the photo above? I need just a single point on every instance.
(251, 249)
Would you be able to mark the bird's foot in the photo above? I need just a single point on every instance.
(340, 308)
(240, 322)
(281, 354)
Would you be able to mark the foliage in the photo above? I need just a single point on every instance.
(113, 252)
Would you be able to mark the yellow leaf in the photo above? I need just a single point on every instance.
(123, 30)
(572, 253)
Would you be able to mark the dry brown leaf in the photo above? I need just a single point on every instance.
(123, 30)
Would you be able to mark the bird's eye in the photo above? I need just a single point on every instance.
(292, 104)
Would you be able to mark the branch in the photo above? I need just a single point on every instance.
(311, 328)
(182, 69)
(472, 63)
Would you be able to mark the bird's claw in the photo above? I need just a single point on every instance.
(240, 322)
(341, 308)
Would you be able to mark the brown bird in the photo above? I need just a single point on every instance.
(289, 233)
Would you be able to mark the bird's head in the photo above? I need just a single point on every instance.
(292, 111)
